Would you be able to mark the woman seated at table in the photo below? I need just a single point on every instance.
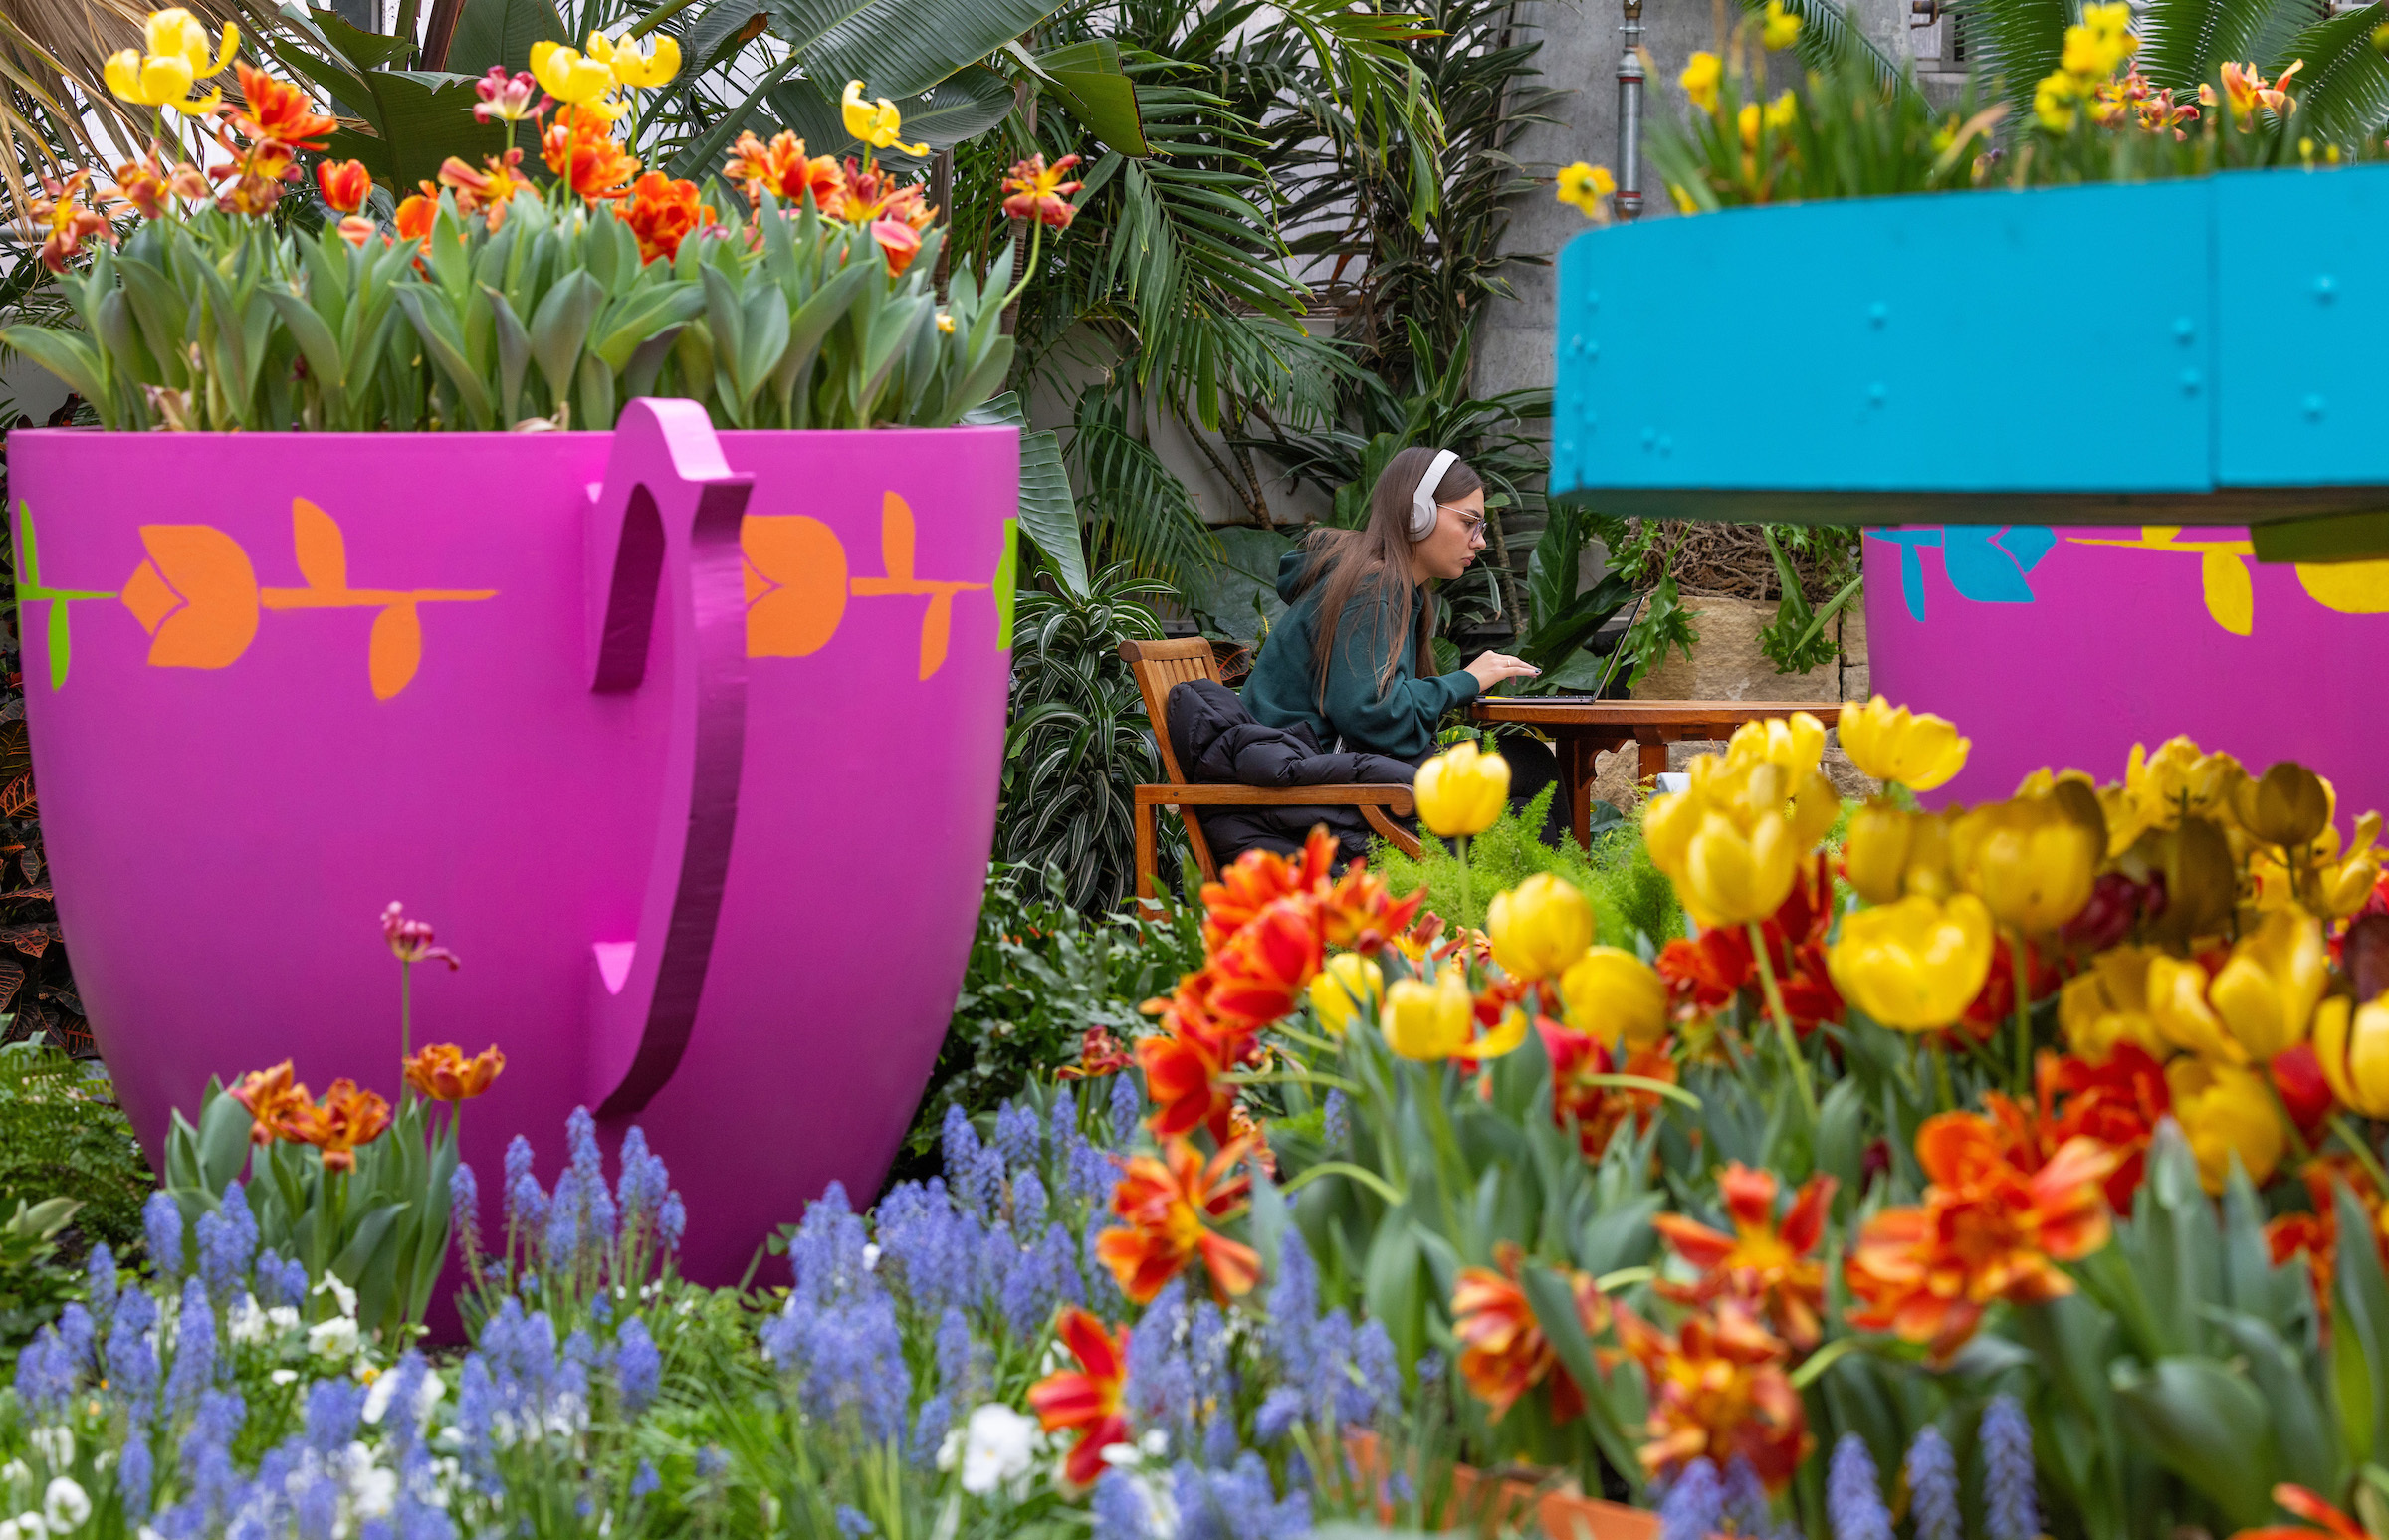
(1353, 658)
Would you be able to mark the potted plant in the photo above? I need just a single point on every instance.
(603, 564)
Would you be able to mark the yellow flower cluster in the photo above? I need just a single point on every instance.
(1542, 928)
(1734, 838)
(2096, 47)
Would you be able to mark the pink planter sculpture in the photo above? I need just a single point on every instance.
(687, 742)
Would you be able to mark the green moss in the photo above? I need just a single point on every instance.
(1629, 895)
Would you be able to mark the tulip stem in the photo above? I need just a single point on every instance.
(2361, 1148)
(1949, 1091)
(406, 972)
(2298, 1136)
(1783, 1022)
(1468, 905)
(2020, 973)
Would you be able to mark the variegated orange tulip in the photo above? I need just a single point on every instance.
(1504, 1352)
(280, 111)
(1988, 1230)
(345, 184)
(1263, 970)
(443, 1073)
(277, 1105)
(1718, 1391)
(1260, 878)
(1577, 1062)
(781, 169)
(347, 1119)
(1762, 1261)
(1086, 1400)
(663, 213)
(1165, 1203)
(581, 147)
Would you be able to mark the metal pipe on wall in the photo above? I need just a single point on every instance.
(1630, 115)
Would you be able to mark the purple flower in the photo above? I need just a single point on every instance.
(334, 1409)
(644, 1480)
(1692, 1505)
(580, 1140)
(1280, 1409)
(1235, 1504)
(46, 1374)
(854, 1523)
(954, 1350)
(562, 1238)
(463, 1207)
(1017, 1136)
(1338, 1114)
(2012, 1509)
(711, 1462)
(1119, 1509)
(161, 1222)
(638, 1367)
(929, 1427)
(525, 1207)
(1028, 1202)
(1127, 1103)
(194, 1349)
(827, 1254)
(1933, 1487)
(478, 1408)
(99, 1282)
(671, 1222)
(1745, 1498)
(132, 1350)
(136, 1474)
(958, 1145)
(644, 1180)
(227, 1239)
(1090, 1174)
(1854, 1499)
(517, 1161)
(1061, 1130)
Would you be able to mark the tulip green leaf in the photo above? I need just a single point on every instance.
(2208, 1426)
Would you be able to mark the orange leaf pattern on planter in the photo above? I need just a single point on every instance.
(796, 585)
(896, 553)
(196, 596)
(395, 649)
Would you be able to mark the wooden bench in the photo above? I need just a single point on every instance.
(1159, 668)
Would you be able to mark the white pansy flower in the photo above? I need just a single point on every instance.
(65, 1506)
(377, 1400)
(10, 1530)
(283, 1318)
(335, 1338)
(284, 1375)
(246, 1321)
(372, 1489)
(55, 1445)
(997, 1445)
(340, 1292)
(14, 1471)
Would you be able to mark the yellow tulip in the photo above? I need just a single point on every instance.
(1895, 743)
(1503, 1040)
(1701, 73)
(1462, 790)
(1539, 927)
(2108, 1004)
(1428, 1020)
(1915, 965)
(1928, 873)
(644, 69)
(1874, 855)
(568, 75)
(2288, 805)
(1797, 743)
(1617, 997)
(1732, 876)
(2030, 858)
(2180, 779)
(2352, 1042)
(1343, 987)
(877, 125)
(1669, 821)
(2225, 1111)
(1816, 809)
(2177, 1003)
(174, 58)
(2266, 994)
(2320, 879)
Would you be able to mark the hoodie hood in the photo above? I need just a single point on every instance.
(1290, 568)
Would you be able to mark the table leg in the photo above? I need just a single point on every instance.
(1576, 784)
(1653, 757)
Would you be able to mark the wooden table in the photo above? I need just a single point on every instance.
(1580, 729)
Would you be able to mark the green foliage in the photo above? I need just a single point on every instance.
(33, 1286)
(1630, 898)
(1795, 640)
(1042, 975)
(381, 1227)
(1076, 740)
(794, 321)
(1662, 623)
(1562, 619)
(62, 1136)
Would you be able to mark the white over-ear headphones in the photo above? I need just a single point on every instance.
(1423, 501)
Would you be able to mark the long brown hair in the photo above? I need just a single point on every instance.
(1375, 559)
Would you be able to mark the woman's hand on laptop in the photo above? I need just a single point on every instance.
(1491, 668)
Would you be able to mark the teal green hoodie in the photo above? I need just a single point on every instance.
(1398, 721)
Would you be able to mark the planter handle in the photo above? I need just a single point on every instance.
(664, 525)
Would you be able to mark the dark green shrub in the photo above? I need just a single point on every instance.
(1630, 896)
(62, 1135)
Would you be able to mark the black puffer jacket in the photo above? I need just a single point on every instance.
(1218, 743)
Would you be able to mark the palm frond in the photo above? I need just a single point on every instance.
(2344, 90)
(2015, 41)
(1827, 37)
(1136, 511)
(2182, 42)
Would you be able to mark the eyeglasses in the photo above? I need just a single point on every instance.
(1474, 523)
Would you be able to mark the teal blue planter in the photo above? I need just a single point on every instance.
(2191, 353)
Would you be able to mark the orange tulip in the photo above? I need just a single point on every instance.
(1718, 1389)
(781, 169)
(1762, 1262)
(663, 213)
(1039, 192)
(443, 1073)
(898, 242)
(1165, 1206)
(2307, 1505)
(2118, 1103)
(1988, 1230)
(344, 1120)
(1087, 1399)
(1260, 878)
(486, 192)
(345, 184)
(1263, 971)
(580, 146)
(2315, 1235)
(280, 111)
(1504, 1351)
(276, 1105)
(1599, 1110)
(415, 217)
